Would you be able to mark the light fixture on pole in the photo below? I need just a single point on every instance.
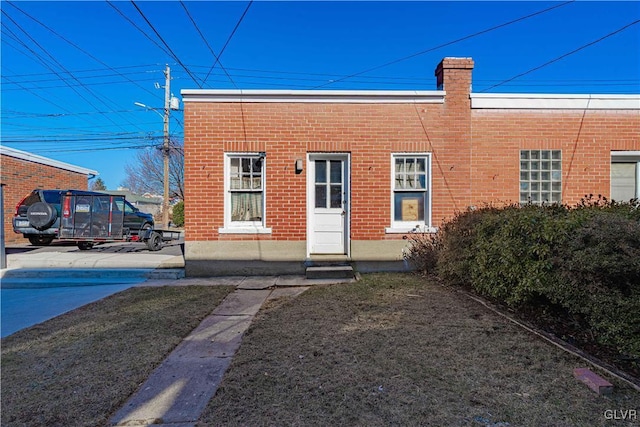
(170, 103)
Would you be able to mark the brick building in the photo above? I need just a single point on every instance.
(278, 180)
(21, 172)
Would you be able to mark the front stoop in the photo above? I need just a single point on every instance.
(330, 272)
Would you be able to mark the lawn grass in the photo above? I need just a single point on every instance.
(78, 368)
(398, 349)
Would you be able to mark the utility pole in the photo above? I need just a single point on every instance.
(165, 147)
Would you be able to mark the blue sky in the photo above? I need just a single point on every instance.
(71, 71)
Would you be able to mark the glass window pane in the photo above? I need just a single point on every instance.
(246, 206)
(556, 175)
(524, 166)
(256, 165)
(336, 196)
(545, 166)
(545, 197)
(535, 166)
(321, 171)
(535, 154)
(336, 171)
(555, 197)
(556, 186)
(400, 180)
(535, 176)
(257, 183)
(411, 181)
(400, 165)
(235, 182)
(235, 166)
(535, 186)
(410, 165)
(524, 155)
(420, 165)
(246, 165)
(524, 197)
(545, 186)
(556, 155)
(409, 206)
(545, 155)
(524, 186)
(321, 196)
(556, 166)
(545, 176)
(422, 181)
(524, 176)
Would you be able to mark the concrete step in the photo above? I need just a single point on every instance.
(330, 272)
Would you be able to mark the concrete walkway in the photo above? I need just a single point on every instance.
(178, 391)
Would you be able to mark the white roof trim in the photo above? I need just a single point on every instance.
(23, 155)
(314, 96)
(554, 101)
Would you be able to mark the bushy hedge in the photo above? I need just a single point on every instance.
(585, 259)
(177, 216)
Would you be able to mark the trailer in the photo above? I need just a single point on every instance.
(92, 219)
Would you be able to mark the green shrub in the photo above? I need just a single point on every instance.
(599, 272)
(585, 259)
(456, 244)
(178, 214)
(514, 253)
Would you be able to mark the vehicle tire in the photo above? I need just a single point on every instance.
(154, 243)
(40, 240)
(85, 246)
(41, 215)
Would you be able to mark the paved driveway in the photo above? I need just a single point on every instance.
(44, 282)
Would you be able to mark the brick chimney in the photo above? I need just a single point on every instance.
(454, 150)
(454, 75)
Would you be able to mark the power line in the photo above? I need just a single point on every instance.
(564, 55)
(173, 55)
(58, 63)
(207, 44)
(448, 43)
(228, 40)
(80, 49)
(137, 28)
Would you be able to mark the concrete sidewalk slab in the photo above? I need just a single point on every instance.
(178, 391)
(258, 282)
(88, 259)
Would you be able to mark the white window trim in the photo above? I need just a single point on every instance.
(404, 227)
(628, 157)
(242, 227)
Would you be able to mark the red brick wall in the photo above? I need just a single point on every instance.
(20, 177)
(286, 132)
(475, 153)
(586, 139)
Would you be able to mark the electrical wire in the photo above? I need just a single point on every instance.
(562, 56)
(173, 55)
(208, 46)
(228, 39)
(470, 36)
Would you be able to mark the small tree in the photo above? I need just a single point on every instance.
(98, 185)
(145, 174)
(178, 214)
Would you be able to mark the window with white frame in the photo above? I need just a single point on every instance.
(540, 176)
(244, 184)
(410, 192)
(625, 175)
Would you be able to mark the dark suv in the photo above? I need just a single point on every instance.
(37, 216)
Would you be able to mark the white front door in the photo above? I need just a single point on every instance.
(328, 203)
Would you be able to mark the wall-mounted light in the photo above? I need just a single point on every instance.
(299, 166)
